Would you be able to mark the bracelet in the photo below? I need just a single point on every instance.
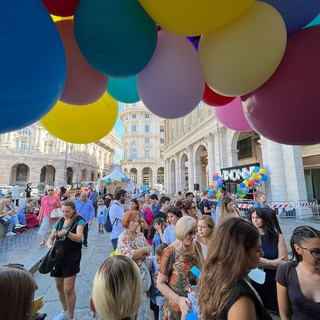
(67, 233)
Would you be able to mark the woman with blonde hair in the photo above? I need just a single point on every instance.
(205, 232)
(224, 290)
(116, 290)
(16, 293)
(228, 209)
(176, 262)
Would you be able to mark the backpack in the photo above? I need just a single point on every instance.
(108, 225)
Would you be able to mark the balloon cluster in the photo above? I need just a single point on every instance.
(171, 54)
(215, 187)
(253, 180)
(114, 181)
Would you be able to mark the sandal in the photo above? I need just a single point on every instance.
(42, 243)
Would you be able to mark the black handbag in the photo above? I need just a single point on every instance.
(56, 252)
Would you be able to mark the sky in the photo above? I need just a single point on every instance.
(118, 125)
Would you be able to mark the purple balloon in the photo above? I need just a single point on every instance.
(286, 109)
(231, 116)
(172, 84)
(296, 13)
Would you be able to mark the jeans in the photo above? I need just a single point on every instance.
(114, 243)
(22, 218)
(85, 234)
(13, 222)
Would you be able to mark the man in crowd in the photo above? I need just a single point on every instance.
(155, 204)
(116, 213)
(164, 207)
(86, 210)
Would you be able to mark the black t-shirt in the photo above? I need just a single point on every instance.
(160, 214)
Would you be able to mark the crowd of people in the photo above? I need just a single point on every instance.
(190, 259)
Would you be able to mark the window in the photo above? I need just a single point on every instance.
(146, 154)
(244, 148)
(146, 140)
(161, 128)
(134, 153)
(24, 132)
(146, 128)
(147, 116)
(133, 128)
(133, 116)
(162, 140)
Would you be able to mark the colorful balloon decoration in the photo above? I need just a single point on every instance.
(62, 8)
(192, 18)
(84, 84)
(171, 85)
(239, 58)
(296, 13)
(214, 99)
(124, 90)
(83, 124)
(117, 37)
(114, 181)
(286, 108)
(232, 116)
(33, 64)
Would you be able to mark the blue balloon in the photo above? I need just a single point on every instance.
(256, 169)
(33, 64)
(118, 38)
(296, 13)
(123, 90)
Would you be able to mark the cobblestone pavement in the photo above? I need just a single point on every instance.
(24, 248)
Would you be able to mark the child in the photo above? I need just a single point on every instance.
(156, 297)
(156, 233)
(101, 214)
(193, 291)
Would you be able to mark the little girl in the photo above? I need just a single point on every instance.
(101, 214)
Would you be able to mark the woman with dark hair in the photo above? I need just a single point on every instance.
(173, 214)
(63, 194)
(224, 289)
(298, 281)
(228, 209)
(70, 228)
(275, 254)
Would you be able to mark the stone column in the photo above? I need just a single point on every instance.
(191, 168)
(211, 159)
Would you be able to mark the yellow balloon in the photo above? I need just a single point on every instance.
(82, 124)
(243, 55)
(57, 18)
(193, 18)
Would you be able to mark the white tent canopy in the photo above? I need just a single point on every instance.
(116, 179)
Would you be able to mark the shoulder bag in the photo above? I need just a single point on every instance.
(56, 213)
(6, 219)
(56, 252)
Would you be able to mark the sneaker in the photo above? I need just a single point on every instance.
(18, 226)
(62, 316)
(10, 233)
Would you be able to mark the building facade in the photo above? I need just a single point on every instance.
(197, 146)
(33, 155)
(143, 142)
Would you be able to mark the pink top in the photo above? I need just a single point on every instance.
(48, 203)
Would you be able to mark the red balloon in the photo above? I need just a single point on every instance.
(84, 85)
(214, 99)
(286, 109)
(61, 8)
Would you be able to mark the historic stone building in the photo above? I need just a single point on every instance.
(32, 154)
(197, 145)
(143, 143)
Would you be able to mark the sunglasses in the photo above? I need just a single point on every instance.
(315, 252)
(50, 190)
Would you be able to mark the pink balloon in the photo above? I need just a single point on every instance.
(171, 85)
(286, 109)
(231, 116)
(84, 85)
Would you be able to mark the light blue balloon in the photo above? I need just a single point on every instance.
(124, 90)
(314, 22)
(32, 64)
